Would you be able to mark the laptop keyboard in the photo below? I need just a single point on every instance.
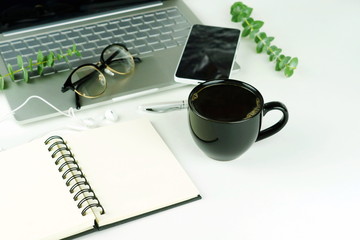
(142, 34)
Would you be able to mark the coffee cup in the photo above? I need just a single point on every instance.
(225, 117)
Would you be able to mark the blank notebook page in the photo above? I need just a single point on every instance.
(35, 204)
(130, 169)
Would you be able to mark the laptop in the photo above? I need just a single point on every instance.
(152, 30)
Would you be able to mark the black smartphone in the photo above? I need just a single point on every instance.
(209, 53)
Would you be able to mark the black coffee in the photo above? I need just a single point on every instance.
(226, 102)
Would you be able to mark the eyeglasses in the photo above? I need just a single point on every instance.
(89, 81)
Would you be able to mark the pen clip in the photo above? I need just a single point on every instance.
(164, 107)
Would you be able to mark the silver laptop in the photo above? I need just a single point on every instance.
(154, 31)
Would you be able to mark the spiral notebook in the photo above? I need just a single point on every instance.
(64, 186)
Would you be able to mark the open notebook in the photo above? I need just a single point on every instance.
(58, 187)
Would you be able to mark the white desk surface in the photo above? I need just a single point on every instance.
(302, 183)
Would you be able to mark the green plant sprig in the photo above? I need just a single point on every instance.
(42, 61)
(241, 13)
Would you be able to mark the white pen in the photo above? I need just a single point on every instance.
(164, 106)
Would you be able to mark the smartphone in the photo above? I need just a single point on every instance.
(209, 53)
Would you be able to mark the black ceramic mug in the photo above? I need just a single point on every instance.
(225, 117)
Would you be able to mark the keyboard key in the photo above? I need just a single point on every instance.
(19, 45)
(6, 48)
(85, 32)
(106, 35)
(59, 38)
(139, 43)
(144, 49)
(158, 46)
(80, 40)
(73, 35)
(98, 30)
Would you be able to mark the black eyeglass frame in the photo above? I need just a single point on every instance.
(100, 66)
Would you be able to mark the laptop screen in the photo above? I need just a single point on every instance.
(29, 13)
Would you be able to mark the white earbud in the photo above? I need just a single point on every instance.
(111, 115)
(90, 122)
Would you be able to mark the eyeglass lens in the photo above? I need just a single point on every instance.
(118, 59)
(93, 82)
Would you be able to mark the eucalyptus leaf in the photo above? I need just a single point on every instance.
(257, 24)
(283, 62)
(239, 11)
(59, 57)
(288, 72)
(268, 40)
(25, 75)
(31, 65)
(2, 82)
(293, 62)
(40, 69)
(11, 72)
(77, 53)
(20, 61)
(248, 22)
(40, 57)
(271, 50)
(259, 37)
(50, 59)
(246, 31)
(254, 33)
(260, 47)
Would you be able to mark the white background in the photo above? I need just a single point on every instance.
(302, 183)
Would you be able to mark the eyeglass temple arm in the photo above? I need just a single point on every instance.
(77, 101)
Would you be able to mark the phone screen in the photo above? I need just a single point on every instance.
(208, 54)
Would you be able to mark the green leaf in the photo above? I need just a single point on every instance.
(268, 40)
(239, 11)
(69, 52)
(293, 62)
(271, 49)
(20, 61)
(254, 33)
(247, 22)
(77, 53)
(50, 60)
(31, 66)
(257, 24)
(59, 57)
(2, 82)
(259, 37)
(260, 47)
(40, 57)
(274, 53)
(11, 71)
(25, 75)
(246, 31)
(288, 72)
(40, 69)
(282, 62)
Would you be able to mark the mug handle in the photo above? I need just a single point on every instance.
(277, 126)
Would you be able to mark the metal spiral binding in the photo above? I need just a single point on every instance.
(71, 172)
